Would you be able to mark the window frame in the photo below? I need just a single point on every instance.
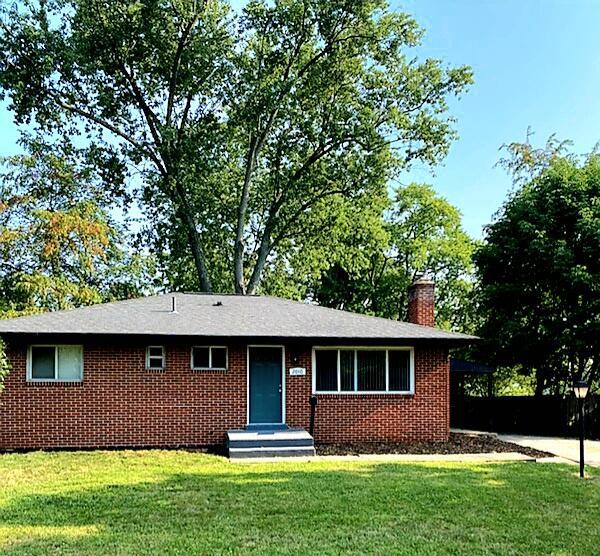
(356, 349)
(210, 367)
(163, 356)
(29, 369)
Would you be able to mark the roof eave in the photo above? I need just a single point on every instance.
(312, 338)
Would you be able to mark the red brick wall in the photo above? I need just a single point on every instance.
(120, 403)
(421, 303)
(423, 416)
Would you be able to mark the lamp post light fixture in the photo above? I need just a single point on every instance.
(580, 388)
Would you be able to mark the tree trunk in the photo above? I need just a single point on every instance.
(197, 252)
(402, 310)
(238, 256)
(263, 253)
(540, 383)
(185, 213)
(257, 273)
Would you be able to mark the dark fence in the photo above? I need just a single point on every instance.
(547, 416)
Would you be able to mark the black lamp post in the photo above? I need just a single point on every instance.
(580, 388)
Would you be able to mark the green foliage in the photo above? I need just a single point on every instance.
(239, 126)
(4, 365)
(418, 233)
(428, 238)
(354, 231)
(540, 273)
(507, 381)
(59, 247)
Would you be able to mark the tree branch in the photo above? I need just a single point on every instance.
(149, 115)
(263, 251)
(175, 68)
(241, 217)
(302, 209)
(113, 129)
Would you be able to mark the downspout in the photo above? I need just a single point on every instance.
(313, 410)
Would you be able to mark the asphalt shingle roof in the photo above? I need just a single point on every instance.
(222, 316)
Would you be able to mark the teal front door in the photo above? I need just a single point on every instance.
(266, 384)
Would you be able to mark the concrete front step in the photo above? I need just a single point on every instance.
(257, 442)
(265, 428)
(274, 452)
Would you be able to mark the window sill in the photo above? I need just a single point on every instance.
(65, 383)
(206, 370)
(364, 394)
(150, 370)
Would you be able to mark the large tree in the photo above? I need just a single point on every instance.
(239, 125)
(539, 270)
(420, 234)
(59, 245)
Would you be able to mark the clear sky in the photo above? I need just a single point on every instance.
(536, 63)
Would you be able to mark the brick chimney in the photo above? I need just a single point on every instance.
(421, 302)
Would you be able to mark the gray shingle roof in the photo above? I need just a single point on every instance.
(224, 316)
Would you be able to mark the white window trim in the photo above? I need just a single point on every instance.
(30, 377)
(210, 367)
(163, 357)
(410, 349)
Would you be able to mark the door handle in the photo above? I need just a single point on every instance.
(280, 388)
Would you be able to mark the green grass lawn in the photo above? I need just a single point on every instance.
(176, 502)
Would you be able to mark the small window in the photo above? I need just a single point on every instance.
(59, 363)
(209, 358)
(155, 358)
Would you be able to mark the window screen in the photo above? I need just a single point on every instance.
(200, 357)
(347, 370)
(69, 362)
(218, 358)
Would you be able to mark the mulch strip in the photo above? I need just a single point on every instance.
(459, 443)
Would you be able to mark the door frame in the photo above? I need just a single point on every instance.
(282, 347)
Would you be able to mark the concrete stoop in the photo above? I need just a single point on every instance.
(269, 442)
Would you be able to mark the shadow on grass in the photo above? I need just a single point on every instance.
(378, 508)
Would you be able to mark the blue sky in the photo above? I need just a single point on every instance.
(536, 63)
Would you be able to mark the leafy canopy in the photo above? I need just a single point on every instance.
(239, 127)
(5, 366)
(539, 271)
(59, 246)
(421, 235)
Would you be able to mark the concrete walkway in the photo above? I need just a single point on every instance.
(566, 448)
(492, 457)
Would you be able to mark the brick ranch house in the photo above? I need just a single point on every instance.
(181, 370)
